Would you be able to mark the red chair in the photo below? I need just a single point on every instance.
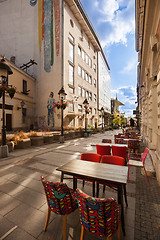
(61, 200)
(120, 151)
(103, 150)
(106, 140)
(92, 157)
(115, 160)
(138, 160)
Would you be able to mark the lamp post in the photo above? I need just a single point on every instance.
(5, 70)
(102, 112)
(62, 96)
(86, 104)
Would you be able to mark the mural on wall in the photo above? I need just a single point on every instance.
(50, 108)
(45, 25)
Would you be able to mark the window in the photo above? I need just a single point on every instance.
(72, 123)
(71, 107)
(90, 62)
(79, 91)
(79, 71)
(95, 98)
(71, 52)
(71, 90)
(95, 82)
(90, 79)
(83, 74)
(87, 59)
(95, 111)
(87, 95)
(94, 67)
(83, 55)
(83, 92)
(79, 51)
(79, 108)
(71, 22)
(25, 87)
(71, 38)
(71, 75)
(80, 122)
(90, 110)
(87, 77)
(90, 96)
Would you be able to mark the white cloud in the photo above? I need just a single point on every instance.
(130, 66)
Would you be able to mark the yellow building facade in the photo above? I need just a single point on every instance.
(148, 85)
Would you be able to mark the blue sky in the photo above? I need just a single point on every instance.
(114, 24)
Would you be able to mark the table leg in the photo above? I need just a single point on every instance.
(120, 201)
(62, 176)
(74, 183)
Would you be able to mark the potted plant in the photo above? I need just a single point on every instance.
(87, 111)
(11, 90)
(57, 105)
(2, 89)
(64, 105)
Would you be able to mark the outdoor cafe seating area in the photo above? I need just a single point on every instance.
(108, 167)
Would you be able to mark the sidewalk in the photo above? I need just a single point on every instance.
(23, 205)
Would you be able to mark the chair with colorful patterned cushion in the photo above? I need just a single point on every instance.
(138, 160)
(120, 151)
(98, 216)
(92, 157)
(103, 149)
(115, 160)
(105, 140)
(119, 141)
(61, 200)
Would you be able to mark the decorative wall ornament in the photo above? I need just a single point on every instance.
(45, 18)
(33, 2)
(57, 24)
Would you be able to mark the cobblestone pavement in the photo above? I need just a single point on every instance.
(147, 210)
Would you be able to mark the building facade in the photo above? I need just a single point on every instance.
(61, 40)
(148, 83)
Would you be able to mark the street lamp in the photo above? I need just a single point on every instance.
(86, 104)
(102, 112)
(5, 70)
(62, 96)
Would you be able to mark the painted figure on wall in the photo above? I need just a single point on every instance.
(50, 103)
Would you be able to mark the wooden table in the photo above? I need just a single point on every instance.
(104, 173)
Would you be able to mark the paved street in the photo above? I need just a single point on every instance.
(23, 205)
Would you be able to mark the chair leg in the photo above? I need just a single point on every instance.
(64, 227)
(119, 231)
(83, 183)
(82, 232)
(104, 186)
(93, 188)
(109, 238)
(125, 195)
(47, 219)
(146, 175)
(97, 190)
(128, 172)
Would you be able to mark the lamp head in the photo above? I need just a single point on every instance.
(5, 69)
(62, 94)
(86, 103)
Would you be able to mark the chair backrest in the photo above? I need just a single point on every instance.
(115, 160)
(93, 157)
(106, 140)
(120, 151)
(132, 144)
(98, 216)
(59, 197)
(119, 141)
(144, 155)
(103, 150)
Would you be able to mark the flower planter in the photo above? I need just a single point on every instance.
(56, 137)
(36, 141)
(48, 139)
(11, 94)
(24, 143)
